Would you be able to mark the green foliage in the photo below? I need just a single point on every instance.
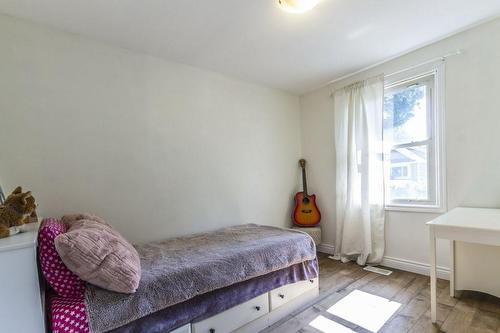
(398, 108)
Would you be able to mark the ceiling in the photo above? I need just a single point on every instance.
(254, 40)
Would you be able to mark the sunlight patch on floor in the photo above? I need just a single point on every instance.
(363, 309)
(326, 325)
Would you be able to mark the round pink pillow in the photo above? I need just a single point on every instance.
(64, 282)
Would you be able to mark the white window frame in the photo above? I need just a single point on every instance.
(436, 162)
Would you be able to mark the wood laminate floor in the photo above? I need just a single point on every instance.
(471, 312)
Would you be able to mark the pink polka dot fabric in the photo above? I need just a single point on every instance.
(67, 314)
(60, 278)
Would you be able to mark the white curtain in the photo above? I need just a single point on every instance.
(360, 172)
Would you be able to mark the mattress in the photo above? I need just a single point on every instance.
(69, 315)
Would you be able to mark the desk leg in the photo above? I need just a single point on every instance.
(452, 268)
(433, 274)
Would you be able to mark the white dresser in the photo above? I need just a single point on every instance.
(21, 302)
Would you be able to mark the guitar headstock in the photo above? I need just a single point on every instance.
(302, 163)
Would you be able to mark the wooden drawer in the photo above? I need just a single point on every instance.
(282, 295)
(235, 317)
(183, 329)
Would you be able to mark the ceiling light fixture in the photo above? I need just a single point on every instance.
(297, 6)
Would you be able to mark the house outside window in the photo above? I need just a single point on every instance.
(413, 147)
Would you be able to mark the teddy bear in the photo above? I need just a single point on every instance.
(18, 209)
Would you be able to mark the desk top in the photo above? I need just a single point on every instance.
(470, 218)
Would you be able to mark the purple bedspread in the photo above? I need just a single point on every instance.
(212, 303)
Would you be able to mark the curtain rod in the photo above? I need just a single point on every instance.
(442, 58)
(430, 61)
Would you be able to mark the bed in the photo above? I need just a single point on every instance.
(237, 278)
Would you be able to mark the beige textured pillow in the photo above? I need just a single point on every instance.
(100, 255)
(69, 219)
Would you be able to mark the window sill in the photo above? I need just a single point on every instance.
(416, 209)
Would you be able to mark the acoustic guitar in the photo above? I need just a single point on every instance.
(306, 212)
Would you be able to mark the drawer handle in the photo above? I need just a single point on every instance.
(257, 308)
(281, 296)
(212, 330)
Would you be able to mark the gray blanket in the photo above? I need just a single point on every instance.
(179, 269)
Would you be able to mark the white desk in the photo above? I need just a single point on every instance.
(471, 225)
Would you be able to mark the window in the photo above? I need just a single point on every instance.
(399, 172)
(412, 143)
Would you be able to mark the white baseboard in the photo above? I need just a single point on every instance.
(415, 267)
(398, 263)
(325, 248)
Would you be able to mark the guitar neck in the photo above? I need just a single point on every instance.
(304, 181)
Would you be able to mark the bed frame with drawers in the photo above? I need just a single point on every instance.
(259, 312)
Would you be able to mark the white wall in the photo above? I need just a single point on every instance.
(472, 135)
(157, 148)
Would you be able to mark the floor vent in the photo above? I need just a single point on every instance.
(377, 270)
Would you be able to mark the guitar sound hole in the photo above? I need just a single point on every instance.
(305, 200)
